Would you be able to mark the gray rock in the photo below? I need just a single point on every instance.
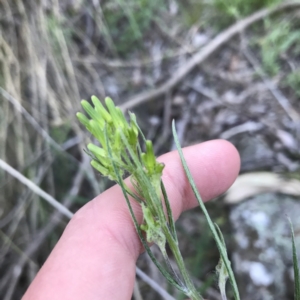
(262, 255)
(256, 154)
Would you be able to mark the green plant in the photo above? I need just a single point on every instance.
(128, 21)
(120, 153)
(56, 30)
(293, 80)
(280, 38)
(224, 12)
(239, 8)
(295, 265)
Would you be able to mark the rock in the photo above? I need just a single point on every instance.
(256, 154)
(262, 255)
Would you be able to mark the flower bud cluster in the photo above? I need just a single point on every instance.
(119, 148)
(113, 121)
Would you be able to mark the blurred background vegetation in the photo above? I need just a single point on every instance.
(54, 53)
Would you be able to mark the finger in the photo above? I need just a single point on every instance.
(96, 255)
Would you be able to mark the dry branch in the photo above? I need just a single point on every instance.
(35, 189)
(204, 53)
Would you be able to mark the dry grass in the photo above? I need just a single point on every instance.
(39, 95)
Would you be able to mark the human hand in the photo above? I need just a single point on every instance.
(95, 257)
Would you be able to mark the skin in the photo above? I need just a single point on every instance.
(96, 255)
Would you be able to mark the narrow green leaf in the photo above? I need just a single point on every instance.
(295, 264)
(219, 243)
(169, 212)
(137, 189)
(132, 194)
(221, 236)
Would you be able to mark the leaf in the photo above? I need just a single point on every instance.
(254, 183)
(169, 212)
(295, 264)
(211, 225)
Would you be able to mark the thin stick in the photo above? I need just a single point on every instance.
(43, 233)
(278, 95)
(30, 119)
(204, 53)
(153, 285)
(35, 189)
(136, 291)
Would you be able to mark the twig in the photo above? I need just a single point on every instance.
(278, 95)
(153, 285)
(56, 216)
(136, 291)
(18, 213)
(184, 121)
(6, 240)
(204, 53)
(71, 142)
(249, 126)
(31, 120)
(35, 189)
(130, 64)
(44, 232)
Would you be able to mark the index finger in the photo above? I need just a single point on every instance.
(96, 255)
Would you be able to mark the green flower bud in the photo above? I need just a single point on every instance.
(112, 110)
(117, 142)
(132, 137)
(153, 167)
(92, 113)
(100, 154)
(121, 119)
(101, 169)
(101, 110)
(133, 123)
(159, 167)
(83, 119)
(150, 153)
(97, 132)
(97, 151)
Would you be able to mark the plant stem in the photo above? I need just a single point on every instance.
(190, 288)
